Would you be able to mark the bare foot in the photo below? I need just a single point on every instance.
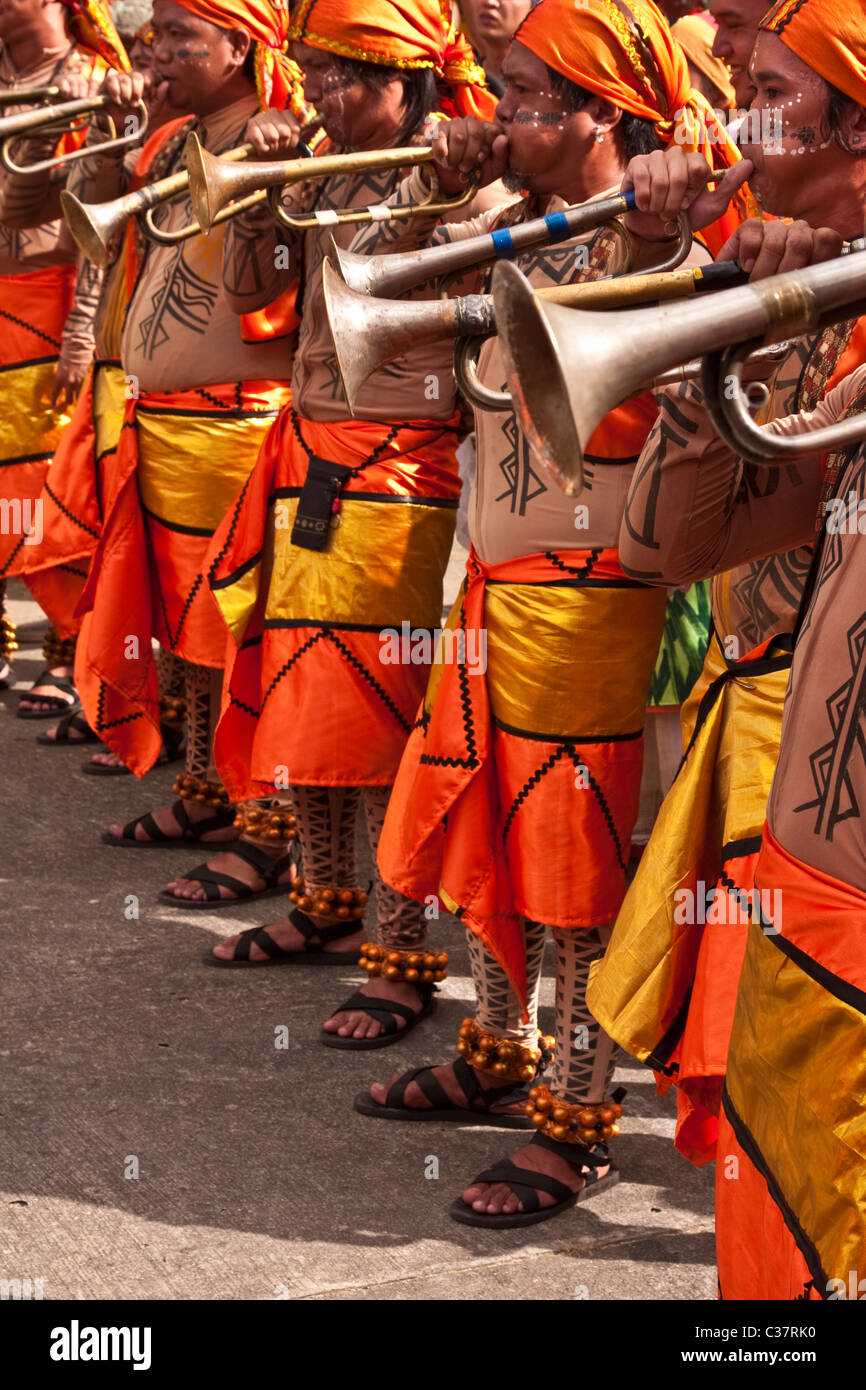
(290, 939)
(191, 889)
(73, 733)
(415, 1098)
(31, 700)
(165, 820)
(107, 759)
(352, 1023)
(495, 1198)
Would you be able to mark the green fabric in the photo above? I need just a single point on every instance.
(684, 645)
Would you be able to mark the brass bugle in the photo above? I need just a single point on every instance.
(213, 184)
(94, 226)
(368, 333)
(567, 368)
(390, 275)
(67, 115)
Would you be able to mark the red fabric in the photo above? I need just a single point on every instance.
(33, 310)
(822, 916)
(757, 1256)
(148, 582)
(450, 770)
(825, 918)
(93, 29)
(702, 1053)
(56, 570)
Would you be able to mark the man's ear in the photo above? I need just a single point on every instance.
(240, 44)
(603, 112)
(854, 128)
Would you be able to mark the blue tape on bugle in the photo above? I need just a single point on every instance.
(557, 225)
(503, 244)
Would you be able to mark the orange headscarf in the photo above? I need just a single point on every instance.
(828, 35)
(278, 79)
(414, 34)
(623, 50)
(695, 33)
(93, 28)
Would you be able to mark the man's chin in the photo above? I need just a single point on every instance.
(769, 197)
(515, 182)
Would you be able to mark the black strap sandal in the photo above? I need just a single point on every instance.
(173, 749)
(384, 1011)
(265, 866)
(314, 954)
(190, 830)
(478, 1109)
(74, 720)
(55, 702)
(526, 1184)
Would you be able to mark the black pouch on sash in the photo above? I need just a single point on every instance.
(315, 513)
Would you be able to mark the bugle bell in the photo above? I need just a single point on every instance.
(368, 333)
(567, 368)
(94, 226)
(68, 116)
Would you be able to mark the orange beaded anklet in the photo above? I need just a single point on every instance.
(189, 787)
(412, 967)
(334, 904)
(263, 824)
(57, 650)
(503, 1057)
(8, 637)
(172, 709)
(574, 1123)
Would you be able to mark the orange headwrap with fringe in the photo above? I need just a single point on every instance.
(829, 36)
(414, 34)
(278, 79)
(93, 28)
(623, 50)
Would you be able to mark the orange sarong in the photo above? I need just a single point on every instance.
(181, 461)
(791, 1169)
(33, 309)
(519, 787)
(56, 568)
(312, 694)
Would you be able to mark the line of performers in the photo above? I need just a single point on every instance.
(242, 552)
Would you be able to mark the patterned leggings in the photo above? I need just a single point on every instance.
(202, 687)
(326, 820)
(583, 1066)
